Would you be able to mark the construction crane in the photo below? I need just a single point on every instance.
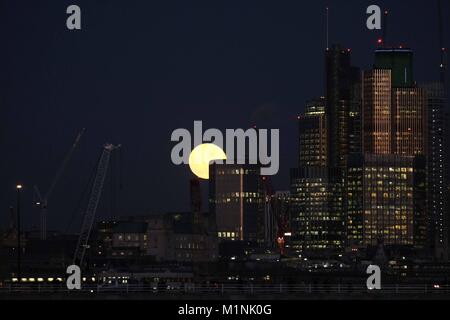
(94, 198)
(42, 201)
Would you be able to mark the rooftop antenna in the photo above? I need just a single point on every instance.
(442, 48)
(327, 26)
(385, 28)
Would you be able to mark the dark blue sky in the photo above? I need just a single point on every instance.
(140, 69)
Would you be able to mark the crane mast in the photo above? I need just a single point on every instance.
(42, 201)
(89, 214)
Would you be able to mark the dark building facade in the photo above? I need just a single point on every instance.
(277, 220)
(342, 99)
(355, 114)
(436, 175)
(344, 130)
(237, 202)
(400, 62)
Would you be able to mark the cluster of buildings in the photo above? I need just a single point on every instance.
(158, 238)
(371, 169)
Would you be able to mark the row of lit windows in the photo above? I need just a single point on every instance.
(231, 235)
(387, 228)
(382, 188)
(236, 171)
(389, 195)
(312, 184)
(237, 194)
(237, 200)
(390, 169)
(312, 152)
(130, 237)
(313, 134)
(188, 246)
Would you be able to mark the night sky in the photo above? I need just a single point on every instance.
(140, 69)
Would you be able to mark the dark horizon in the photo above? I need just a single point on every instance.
(137, 71)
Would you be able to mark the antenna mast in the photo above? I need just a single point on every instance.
(385, 28)
(442, 48)
(327, 26)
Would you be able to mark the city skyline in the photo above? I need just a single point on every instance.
(225, 151)
(130, 207)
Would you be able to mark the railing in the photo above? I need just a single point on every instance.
(224, 289)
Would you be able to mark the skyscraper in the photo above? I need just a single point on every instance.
(394, 107)
(338, 82)
(316, 215)
(386, 185)
(343, 111)
(436, 195)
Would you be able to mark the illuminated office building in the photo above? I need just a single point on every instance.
(313, 135)
(377, 123)
(237, 201)
(408, 121)
(386, 200)
(386, 185)
(314, 226)
(394, 107)
(315, 106)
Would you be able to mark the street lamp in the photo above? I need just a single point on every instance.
(19, 249)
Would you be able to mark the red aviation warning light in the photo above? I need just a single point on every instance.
(280, 242)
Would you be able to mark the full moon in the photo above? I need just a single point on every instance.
(201, 156)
